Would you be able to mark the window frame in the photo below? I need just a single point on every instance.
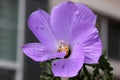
(20, 39)
(17, 65)
(104, 34)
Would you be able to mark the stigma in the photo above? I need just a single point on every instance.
(63, 47)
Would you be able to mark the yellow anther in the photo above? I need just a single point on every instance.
(63, 47)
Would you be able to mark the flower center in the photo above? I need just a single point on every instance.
(63, 47)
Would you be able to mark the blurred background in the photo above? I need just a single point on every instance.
(14, 65)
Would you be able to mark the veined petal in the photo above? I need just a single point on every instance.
(80, 32)
(84, 15)
(62, 19)
(67, 15)
(69, 67)
(84, 22)
(40, 53)
(39, 24)
(92, 48)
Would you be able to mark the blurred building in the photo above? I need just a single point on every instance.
(14, 33)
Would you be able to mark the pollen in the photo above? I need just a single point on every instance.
(63, 47)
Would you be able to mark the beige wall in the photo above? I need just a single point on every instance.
(52, 3)
(110, 8)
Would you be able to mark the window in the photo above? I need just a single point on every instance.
(110, 33)
(8, 29)
(11, 37)
(8, 38)
(114, 45)
(6, 74)
(114, 39)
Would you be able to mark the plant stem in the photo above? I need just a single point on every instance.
(62, 78)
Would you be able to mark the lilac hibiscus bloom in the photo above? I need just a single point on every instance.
(68, 35)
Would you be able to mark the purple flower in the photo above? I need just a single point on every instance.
(68, 34)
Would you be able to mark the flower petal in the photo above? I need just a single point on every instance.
(40, 53)
(62, 19)
(80, 33)
(39, 24)
(69, 67)
(84, 23)
(92, 48)
(84, 15)
(68, 15)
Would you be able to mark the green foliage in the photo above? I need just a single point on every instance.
(47, 73)
(100, 71)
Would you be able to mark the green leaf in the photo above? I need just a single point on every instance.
(84, 74)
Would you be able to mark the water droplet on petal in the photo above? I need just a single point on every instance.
(76, 12)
